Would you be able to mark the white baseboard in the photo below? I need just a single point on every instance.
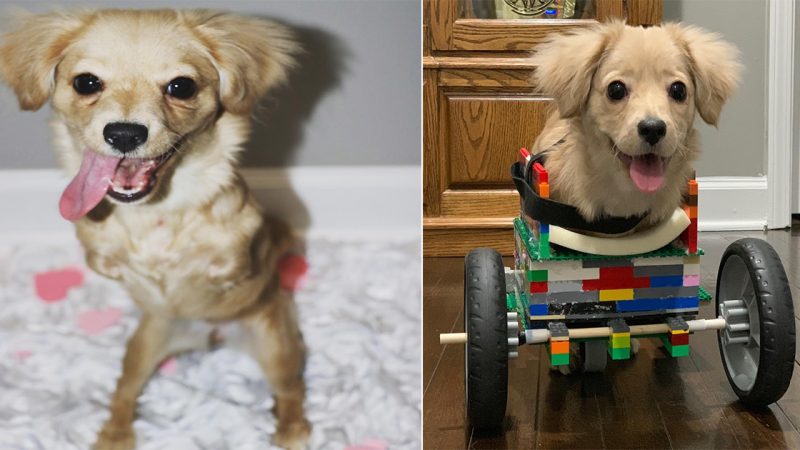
(369, 202)
(732, 203)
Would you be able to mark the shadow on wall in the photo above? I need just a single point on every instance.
(280, 120)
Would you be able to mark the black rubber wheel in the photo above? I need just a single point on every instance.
(758, 344)
(486, 355)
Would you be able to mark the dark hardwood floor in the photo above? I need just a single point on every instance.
(649, 401)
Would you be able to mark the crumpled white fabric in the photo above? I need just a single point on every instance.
(360, 316)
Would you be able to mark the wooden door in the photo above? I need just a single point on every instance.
(480, 107)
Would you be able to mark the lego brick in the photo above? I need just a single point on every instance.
(540, 173)
(693, 187)
(666, 261)
(544, 190)
(573, 297)
(674, 350)
(559, 359)
(558, 330)
(554, 287)
(703, 295)
(544, 245)
(674, 281)
(621, 340)
(609, 262)
(594, 285)
(557, 347)
(691, 269)
(537, 275)
(655, 304)
(537, 287)
(569, 274)
(691, 280)
(677, 324)
(619, 326)
(524, 154)
(658, 271)
(619, 353)
(538, 309)
(679, 338)
(690, 211)
(665, 292)
(691, 200)
(610, 295)
(625, 273)
(544, 227)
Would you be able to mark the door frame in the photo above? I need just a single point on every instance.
(781, 188)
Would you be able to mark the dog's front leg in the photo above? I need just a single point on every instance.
(146, 348)
(276, 343)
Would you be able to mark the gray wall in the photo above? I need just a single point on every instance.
(739, 146)
(354, 101)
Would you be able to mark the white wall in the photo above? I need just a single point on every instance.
(354, 101)
(739, 146)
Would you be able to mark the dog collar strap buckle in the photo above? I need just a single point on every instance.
(560, 214)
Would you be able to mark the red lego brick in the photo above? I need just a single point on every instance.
(616, 273)
(540, 173)
(523, 156)
(616, 283)
(679, 339)
(538, 286)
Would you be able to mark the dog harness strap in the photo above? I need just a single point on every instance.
(560, 214)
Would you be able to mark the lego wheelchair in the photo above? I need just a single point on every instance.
(599, 293)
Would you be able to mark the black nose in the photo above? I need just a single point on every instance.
(652, 130)
(125, 136)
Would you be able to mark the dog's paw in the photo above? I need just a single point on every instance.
(294, 436)
(115, 438)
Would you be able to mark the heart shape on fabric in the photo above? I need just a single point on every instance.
(94, 321)
(292, 270)
(52, 285)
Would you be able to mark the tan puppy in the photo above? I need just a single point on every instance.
(151, 111)
(626, 99)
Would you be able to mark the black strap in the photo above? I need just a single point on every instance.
(560, 214)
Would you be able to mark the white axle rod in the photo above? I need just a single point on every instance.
(540, 336)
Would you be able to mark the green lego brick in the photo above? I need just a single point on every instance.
(537, 275)
(564, 254)
(674, 350)
(619, 353)
(511, 301)
(703, 295)
(561, 359)
(520, 306)
(544, 245)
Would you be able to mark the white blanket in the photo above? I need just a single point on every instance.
(360, 316)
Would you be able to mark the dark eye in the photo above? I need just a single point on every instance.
(87, 84)
(182, 88)
(677, 91)
(617, 90)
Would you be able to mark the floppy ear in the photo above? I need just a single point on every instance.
(565, 64)
(30, 53)
(715, 68)
(251, 56)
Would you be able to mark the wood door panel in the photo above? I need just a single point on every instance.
(485, 133)
(480, 203)
(509, 35)
(487, 78)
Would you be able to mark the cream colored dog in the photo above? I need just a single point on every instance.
(626, 99)
(151, 111)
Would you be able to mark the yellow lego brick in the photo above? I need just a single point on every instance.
(611, 295)
(679, 331)
(620, 340)
(549, 317)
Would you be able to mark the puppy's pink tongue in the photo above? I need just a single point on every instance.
(89, 186)
(647, 172)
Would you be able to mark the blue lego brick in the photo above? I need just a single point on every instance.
(544, 227)
(656, 282)
(657, 304)
(538, 310)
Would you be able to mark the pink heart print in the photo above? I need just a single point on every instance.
(52, 285)
(371, 444)
(95, 321)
